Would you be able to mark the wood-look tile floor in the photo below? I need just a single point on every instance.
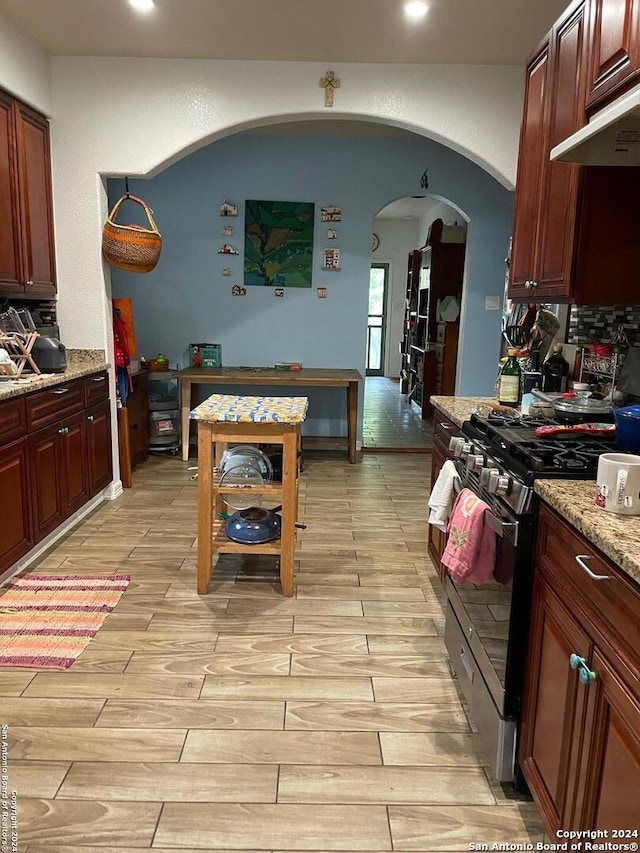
(390, 420)
(246, 721)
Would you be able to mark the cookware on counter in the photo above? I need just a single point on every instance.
(628, 428)
(577, 408)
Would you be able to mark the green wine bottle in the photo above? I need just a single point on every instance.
(509, 383)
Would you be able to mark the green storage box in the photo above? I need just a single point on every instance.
(205, 355)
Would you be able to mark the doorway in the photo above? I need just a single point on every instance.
(391, 420)
(377, 319)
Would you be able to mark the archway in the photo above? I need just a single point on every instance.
(393, 417)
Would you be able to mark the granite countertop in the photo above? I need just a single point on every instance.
(80, 362)
(617, 536)
(460, 409)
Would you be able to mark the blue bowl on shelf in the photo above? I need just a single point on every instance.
(253, 526)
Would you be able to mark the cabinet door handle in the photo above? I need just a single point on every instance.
(587, 676)
(444, 426)
(98, 379)
(90, 417)
(62, 391)
(580, 558)
(30, 282)
(64, 430)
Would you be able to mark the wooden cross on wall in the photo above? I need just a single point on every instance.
(329, 82)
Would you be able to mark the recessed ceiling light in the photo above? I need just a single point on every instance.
(142, 5)
(415, 9)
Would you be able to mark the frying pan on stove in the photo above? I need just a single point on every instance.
(578, 409)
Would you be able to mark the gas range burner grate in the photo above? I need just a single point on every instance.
(569, 456)
(515, 421)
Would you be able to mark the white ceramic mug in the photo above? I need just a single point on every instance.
(618, 483)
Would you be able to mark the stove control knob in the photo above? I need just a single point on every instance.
(465, 450)
(455, 442)
(475, 462)
(486, 475)
(499, 484)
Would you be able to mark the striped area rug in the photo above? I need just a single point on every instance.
(46, 621)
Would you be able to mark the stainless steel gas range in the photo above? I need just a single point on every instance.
(498, 458)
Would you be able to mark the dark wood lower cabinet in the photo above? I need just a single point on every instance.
(99, 447)
(74, 463)
(49, 471)
(580, 736)
(554, 706)
(46, 481)
(16, 536)
(612, 783)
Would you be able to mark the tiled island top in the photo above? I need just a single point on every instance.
(80, 362)
(617, 536)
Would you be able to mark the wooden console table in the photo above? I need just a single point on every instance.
(246, 420)
(307, 377)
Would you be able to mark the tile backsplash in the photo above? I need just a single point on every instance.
(591, 324)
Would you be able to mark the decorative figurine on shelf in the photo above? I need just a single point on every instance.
(226, 249)
(279, 291)
(227, 231)
(237, 290)
(226, 272)
(228, 209)
(332, 234)
(196, 358)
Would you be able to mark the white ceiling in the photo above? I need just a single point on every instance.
(500, 32)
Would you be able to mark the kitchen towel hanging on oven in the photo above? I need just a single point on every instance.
(442, 494)
(135, 248)
(470, 554)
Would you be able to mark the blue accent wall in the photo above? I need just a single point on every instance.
(186, 298)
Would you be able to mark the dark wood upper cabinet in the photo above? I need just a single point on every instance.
(575, 228)
(544, 231)
(531, 172)
(10, 259)
(27, 258)
(613, 48)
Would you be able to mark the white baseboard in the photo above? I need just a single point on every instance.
(58, 533)
(113, 491)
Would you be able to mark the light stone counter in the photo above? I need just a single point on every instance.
(617, 536)
(80, 362)
(460, 409)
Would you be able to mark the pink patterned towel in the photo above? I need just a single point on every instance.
(470, 554)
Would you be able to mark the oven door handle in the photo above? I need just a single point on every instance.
(505, 529)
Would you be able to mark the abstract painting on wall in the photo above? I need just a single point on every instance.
(278, 243)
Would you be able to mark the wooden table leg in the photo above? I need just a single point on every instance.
(352, 419)
(289, 507)
(205, 506)
(185, 401)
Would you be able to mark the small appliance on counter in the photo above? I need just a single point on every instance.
(49, 354)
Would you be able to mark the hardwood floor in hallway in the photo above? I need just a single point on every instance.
(246, 721)
(390, 421)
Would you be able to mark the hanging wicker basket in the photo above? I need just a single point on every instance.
(131, 247)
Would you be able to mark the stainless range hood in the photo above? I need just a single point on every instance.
(612, 137)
